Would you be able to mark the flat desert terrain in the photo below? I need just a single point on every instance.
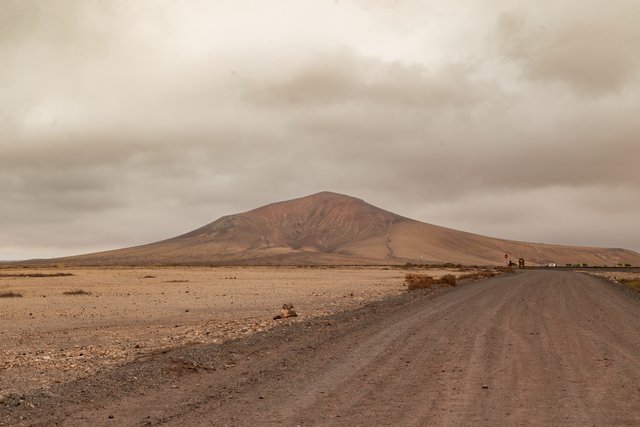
(199, 346)
(48, 336)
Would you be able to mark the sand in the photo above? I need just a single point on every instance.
(49, 337)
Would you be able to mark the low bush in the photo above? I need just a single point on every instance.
(483, 274)
(424, 281)
(409, 265)
(448, 279)
(418, 281)
(10, 294)
(633, 283)
(77, 292)
(38, 275)
(448, 265)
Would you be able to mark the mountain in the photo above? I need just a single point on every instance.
(334, 229)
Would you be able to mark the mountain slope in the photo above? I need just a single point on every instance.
(330, 228)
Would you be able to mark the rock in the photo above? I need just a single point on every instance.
(286, 312)
(484, 386)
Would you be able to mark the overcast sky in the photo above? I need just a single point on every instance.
(126, 122)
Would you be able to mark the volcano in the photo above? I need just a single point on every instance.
(334, 229)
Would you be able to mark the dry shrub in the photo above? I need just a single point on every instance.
(10, 294)
(448, 279)
(77, 292)
(486, 273)
(37, 275)
(424, 281)
(418, 281)
(633, 283)
(483, 274)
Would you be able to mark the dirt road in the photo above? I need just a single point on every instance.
(535, 348)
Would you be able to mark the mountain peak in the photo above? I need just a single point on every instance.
(320, 222)
(323, 197)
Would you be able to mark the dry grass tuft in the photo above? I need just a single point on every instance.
(448, 279)
(37, 275)
(483, 274)
(424, 281)
(77, 292)
(418, 281)
(633, 283)
(10, 294)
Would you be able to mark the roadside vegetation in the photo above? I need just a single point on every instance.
(482, 274)
(632, 283)
(10, 294)
(77, 292)
(424, 281)
(35, 275)
(437, 266)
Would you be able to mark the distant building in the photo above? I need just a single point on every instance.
(552, 264)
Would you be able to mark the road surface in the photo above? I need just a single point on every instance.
(534, 348)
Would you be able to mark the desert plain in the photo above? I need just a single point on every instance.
(200, 346)
(70, 323)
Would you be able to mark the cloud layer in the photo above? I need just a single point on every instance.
(123, 123)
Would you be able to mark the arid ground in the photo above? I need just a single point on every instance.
(199, 347)
(48, 335)
(52, 333)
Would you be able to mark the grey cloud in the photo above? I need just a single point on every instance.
(592, 51)
(344, 77)
(123, 127)
(495, 143)
(527, 215)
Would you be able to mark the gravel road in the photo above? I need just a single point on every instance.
(535, 348)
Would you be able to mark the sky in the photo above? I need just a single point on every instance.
(123, 123)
